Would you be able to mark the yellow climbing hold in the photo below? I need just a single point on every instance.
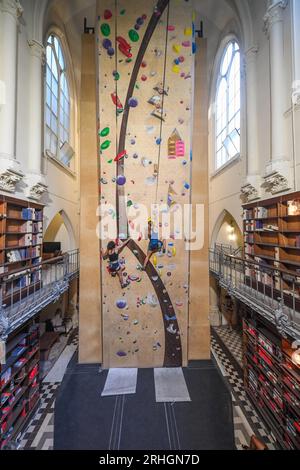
(174, 251)
(177, 48)
(155, 261)
(188, 32)
(176, 68)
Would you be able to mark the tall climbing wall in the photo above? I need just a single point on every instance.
(145, 89)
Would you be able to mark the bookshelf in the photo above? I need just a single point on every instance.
(21, 242)
(19, 383)
(272, 382)
(272, 239)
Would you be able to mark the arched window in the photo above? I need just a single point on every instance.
(228, 106)
(57, 106)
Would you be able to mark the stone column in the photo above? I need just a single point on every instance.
(278, 172)
(251, 189)
(10, 173)
(36, 186)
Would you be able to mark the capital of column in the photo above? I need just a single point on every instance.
(274, 14)
(12, 7)
(37, 49)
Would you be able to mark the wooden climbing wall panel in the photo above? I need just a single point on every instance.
(145, 90)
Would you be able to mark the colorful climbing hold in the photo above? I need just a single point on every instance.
(110, 51)
(133, 35)
(107, 14)
(121, 354)
(171, 27)
(105, 29)
(121, 304)
(188, 31)
(105, 145)
(144, 78)
(186, 43)
(105, 132)
(120, 156)
(176, 48)
(133, 102)
(121, 180)
(176, 68)
(116, 75)
(106, 43)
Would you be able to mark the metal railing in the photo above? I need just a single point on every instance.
(228, 249)
(25, 292)
(270, 291)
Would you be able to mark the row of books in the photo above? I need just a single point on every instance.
(30, 213)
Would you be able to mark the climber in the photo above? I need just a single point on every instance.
(155, 245)
(112, 253)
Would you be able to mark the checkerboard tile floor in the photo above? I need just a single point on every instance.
(232, 340)
(246, 420)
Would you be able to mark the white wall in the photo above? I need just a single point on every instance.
(63, 185)
(225, 186)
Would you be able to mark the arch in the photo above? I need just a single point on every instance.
(58, 225)
(225, 218)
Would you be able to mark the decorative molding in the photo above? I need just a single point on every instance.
(275, 182)
(249, 193)
(11, 7)
(9, 178)
(36, 191)
(37, 50)
(274, 15)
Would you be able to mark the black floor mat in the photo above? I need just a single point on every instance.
(85, 420)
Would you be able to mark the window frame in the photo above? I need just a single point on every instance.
(230, 159)
(50, 42)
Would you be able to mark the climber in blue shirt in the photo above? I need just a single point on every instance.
(155, 245)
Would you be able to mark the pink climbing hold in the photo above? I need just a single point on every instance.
(107, 14)
(171, 27)
(144, 78)
(186, 43)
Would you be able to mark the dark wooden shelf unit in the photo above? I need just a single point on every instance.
(272, 382)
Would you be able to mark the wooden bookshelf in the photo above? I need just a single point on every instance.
(272, 382)
(19, 383)
(21, 243)
(272, 239)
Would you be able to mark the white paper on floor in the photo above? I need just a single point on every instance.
(120, 382)
(170, 385)
(57, 372)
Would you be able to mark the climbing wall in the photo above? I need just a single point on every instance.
(145, 88)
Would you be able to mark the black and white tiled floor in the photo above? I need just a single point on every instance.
(40, 433)
(246, 420)
(227, 352)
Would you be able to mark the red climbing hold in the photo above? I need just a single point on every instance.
(107, 15)
(124, 46)
(116, 100)
(120, 156)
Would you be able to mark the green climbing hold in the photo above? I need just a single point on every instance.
(116, 76)
(133, 35)
(105, 29)
(122, 12)
(105, 145)
(105, 132)
(110, 161)
(129, 203)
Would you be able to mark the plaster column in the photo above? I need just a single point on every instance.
(296, 41)
(251, 188)
(10, 173)
(278, 171)
(34, 179)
